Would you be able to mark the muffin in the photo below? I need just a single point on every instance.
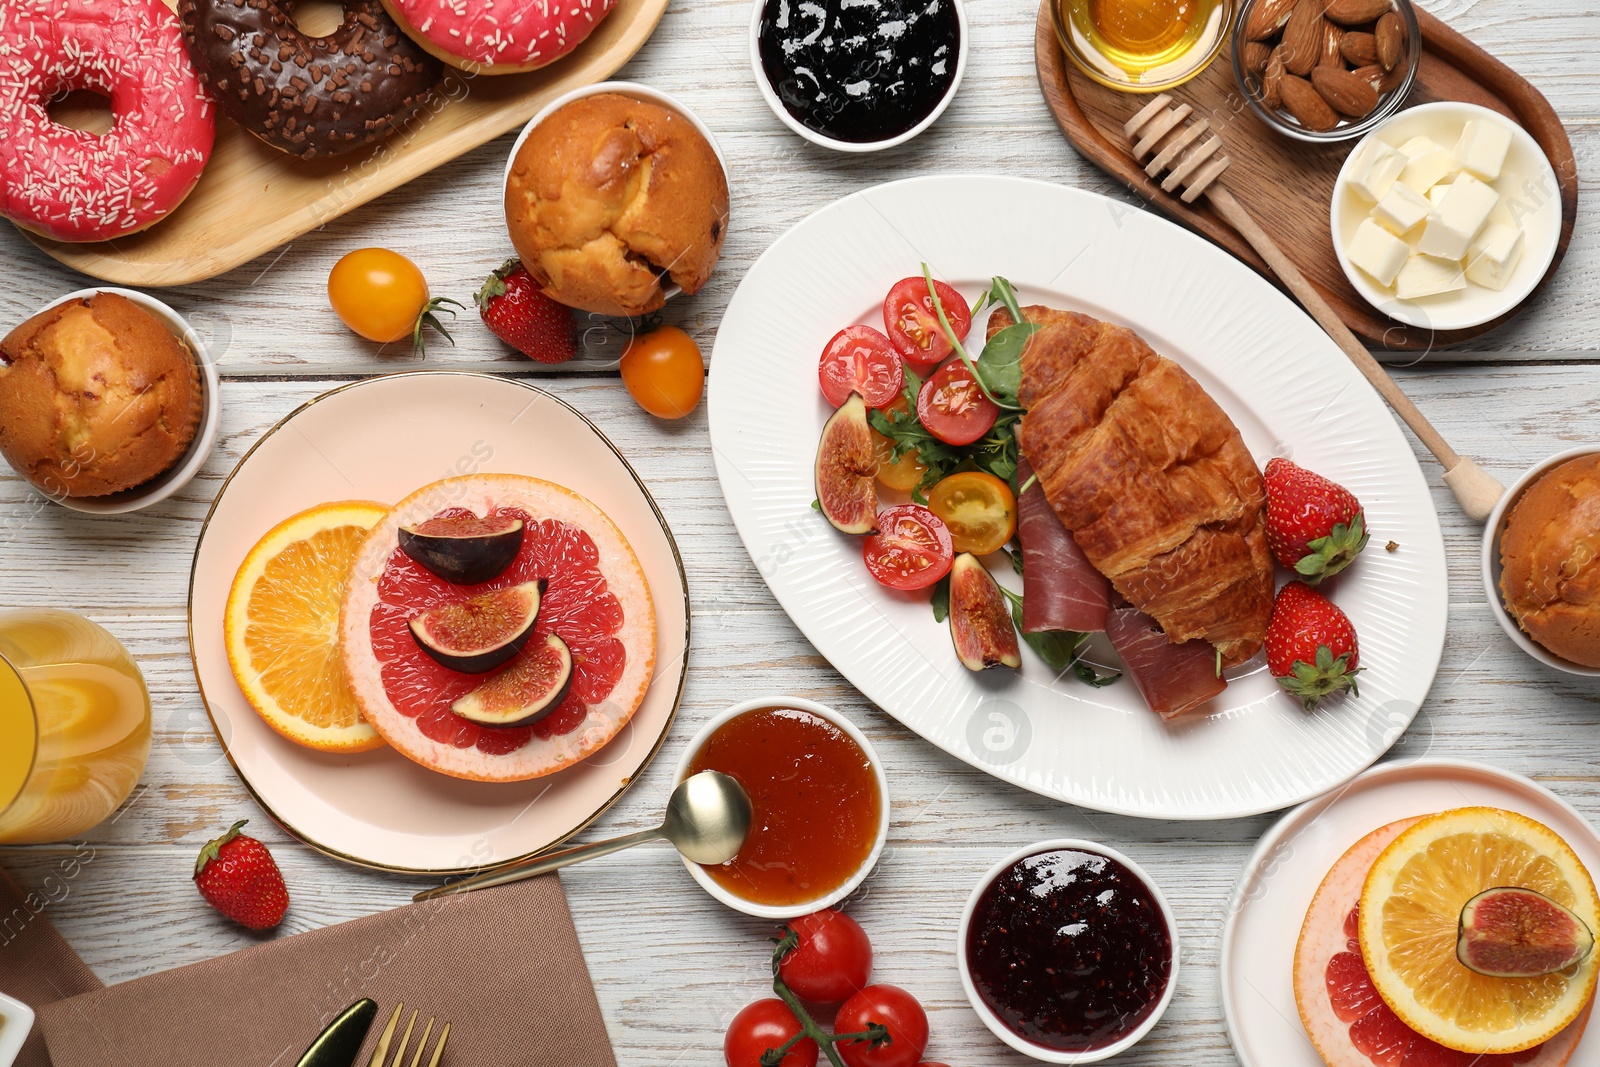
(1550, 561)
(96, 396)
(610, 197)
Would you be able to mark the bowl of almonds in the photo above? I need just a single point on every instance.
(1325, 70)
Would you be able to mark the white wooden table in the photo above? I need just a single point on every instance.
(672, 966)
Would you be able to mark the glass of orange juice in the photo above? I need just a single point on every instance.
(74, 725)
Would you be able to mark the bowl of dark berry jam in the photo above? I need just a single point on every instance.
(1068, 951)
(858, 77)
(819, 798)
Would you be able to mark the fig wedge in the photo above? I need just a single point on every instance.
(847, 468)
(480, 633)
(980, 625)
(1507, 932)
(464, 548)
(523, 693)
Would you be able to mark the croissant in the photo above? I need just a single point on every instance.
(1151, 477)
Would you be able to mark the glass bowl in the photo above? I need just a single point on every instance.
(1284, 123)
(1186, 56)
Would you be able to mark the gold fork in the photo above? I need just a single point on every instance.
(1164, 139)
(381, 1052)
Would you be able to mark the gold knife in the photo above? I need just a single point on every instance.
(339, 1044)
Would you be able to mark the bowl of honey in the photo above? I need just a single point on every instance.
(820, 799)
(1142, 46)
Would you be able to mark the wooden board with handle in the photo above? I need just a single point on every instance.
(253, 198)
(1287, 185)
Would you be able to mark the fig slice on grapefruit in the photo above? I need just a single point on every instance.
(481, 632)
(466, 549)
(596, 599)
(524, 693)
(1343, 1015)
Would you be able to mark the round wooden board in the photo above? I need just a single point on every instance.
(253, 198)
(1287, 185)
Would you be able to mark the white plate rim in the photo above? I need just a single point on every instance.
(306, 836)
(1265, 302)
(1293, 821)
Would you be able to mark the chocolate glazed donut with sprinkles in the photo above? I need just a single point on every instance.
(308, 96)
(76, 186)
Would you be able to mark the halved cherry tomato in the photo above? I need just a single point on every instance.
(896, 1010)
(831, 959)
(911, 549)
(978, 508)
(913, 325)
(903, 474)
(859, 359)
(952, 407)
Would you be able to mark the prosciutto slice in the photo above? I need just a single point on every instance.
(1173, 679)
(1061, 590)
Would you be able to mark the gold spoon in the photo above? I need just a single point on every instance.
(1164, 140)
(708, 819)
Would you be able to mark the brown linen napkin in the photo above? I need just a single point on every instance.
(502, 965)
(36, 965)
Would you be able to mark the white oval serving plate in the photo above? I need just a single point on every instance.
(1284, 382)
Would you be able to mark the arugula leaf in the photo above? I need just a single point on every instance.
(1087, 676)
(1000, 365)
(941, 599)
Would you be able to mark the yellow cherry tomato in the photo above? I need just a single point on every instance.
(663, 372)
(383, 296)
(978, 508)
(905, 473)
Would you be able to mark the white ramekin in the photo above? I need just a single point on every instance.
(771, 911)
(1491, 564)
(1534, 185)
(178, 475)
(770, 95)
(16, 1020)
(1004, 1032)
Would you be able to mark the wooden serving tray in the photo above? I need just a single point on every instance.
(253, 198)
(1288, 185)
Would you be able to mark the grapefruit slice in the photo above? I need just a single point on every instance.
(281, 626)
(1348, 1022)
(596, 599)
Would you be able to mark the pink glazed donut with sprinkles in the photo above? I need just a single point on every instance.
(76, 186)
(498, 36)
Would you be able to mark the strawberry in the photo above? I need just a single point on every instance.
(524, 318)
(1311, 646)
(238, 876)
(1314, 527)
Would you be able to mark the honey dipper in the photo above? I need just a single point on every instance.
(1172, 138)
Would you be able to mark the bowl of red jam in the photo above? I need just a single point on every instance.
(1068, 951)
(820, 801)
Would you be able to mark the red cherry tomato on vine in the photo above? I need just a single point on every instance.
(766, 1024)
(895, 1009)
(913, 325)
(951, 405)
(859, 359)
(911, 549)
(831, 960)
(664, 372)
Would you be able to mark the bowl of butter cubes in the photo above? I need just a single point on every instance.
(1446, 216)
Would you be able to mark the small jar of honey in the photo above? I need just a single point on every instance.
(1142, 46)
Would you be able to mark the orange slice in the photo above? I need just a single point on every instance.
(281, 626)
(1410, 909)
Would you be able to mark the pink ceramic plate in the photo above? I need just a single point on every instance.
(1262, 920)
(379, 440)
